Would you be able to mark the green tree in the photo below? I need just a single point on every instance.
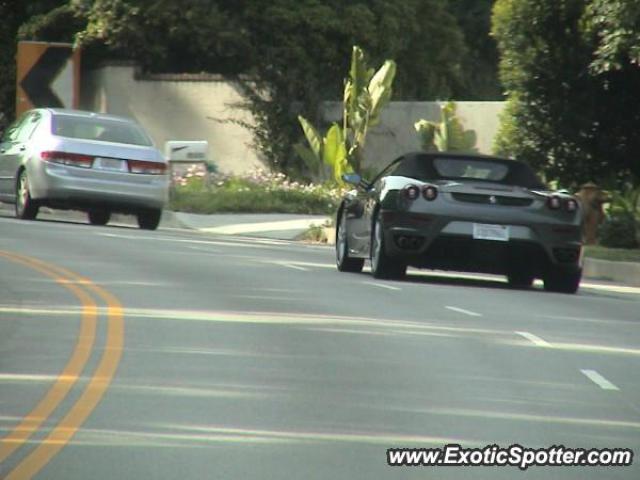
(60, 24)
(167, 36)
(569, 122)
(616, 26)
(480, 63)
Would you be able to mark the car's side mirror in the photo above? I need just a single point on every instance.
(352, 178)
(5, 135)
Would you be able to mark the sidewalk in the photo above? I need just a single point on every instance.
(269, 225)
(274, 226)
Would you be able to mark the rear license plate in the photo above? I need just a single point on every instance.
(483, 231)
(113, 164)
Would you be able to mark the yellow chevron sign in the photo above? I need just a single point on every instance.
(48, 75)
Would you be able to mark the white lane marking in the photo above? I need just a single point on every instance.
(282, 263)
(315, 265)
(201, 249)
(462, 310)
(194, 242)
(264, 241)
(381, 285)
(537, 341)
(599, 380)
(291, 265)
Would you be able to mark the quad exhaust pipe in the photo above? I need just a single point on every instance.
(409, 242)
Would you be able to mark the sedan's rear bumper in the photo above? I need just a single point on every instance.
(62, 186)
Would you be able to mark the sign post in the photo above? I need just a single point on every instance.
(48, 75)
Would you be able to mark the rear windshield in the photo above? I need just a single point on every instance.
(508, 172)
(100, 129)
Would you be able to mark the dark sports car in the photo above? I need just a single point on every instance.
(461, 212)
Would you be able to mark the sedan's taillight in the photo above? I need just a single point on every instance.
(66, 158)
(430, 192)
(411, 192)
(149, 168)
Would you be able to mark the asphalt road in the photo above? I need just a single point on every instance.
(171, 354)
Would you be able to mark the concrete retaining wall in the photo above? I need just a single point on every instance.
(177, 107)
(395, 135)
(206, 107)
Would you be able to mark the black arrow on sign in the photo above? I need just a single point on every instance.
(37, 83)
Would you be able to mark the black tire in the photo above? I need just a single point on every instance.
(26, 208)
(99, 217)
(520, 278)
(383, 266)
(344, 262)
(149, 219)
(562, 281)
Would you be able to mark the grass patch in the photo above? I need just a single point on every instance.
(612, 254)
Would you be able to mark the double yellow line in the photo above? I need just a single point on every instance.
(62, 433)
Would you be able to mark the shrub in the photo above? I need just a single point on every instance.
(619, 231)
(257, 192)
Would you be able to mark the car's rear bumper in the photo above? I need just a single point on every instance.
(73, 187)
(449, 244)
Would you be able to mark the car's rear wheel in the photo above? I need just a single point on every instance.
(99, 217)
(382, 265)
(562, 281)
(26, 208)
(344, 262)
(520, 278)
(149, 219)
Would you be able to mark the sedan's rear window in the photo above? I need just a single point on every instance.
(104, 130)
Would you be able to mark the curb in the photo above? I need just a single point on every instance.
(170, 220)
(621, 272)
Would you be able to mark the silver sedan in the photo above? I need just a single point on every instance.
(92, 162)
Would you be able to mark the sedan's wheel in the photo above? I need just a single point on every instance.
(99, 217)
(149, 219)
(26, 208)
(344, 262)
(562, 281)
(520, 278)
(383, 266)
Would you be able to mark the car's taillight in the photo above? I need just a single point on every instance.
(571, 205)
(554, 202)
(66, 158)
(430, 193)
(149, 168)
(411, 192)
